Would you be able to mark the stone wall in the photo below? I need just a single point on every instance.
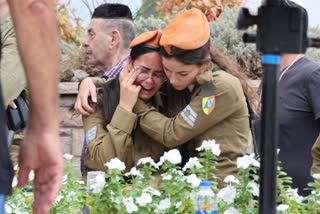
(71, 132)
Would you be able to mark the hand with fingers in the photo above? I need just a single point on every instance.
(87, 89)
(41, 151)
(129, 91)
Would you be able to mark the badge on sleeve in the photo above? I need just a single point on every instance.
(91, 134)
(189, 115)
(208, 104)
(208, 97)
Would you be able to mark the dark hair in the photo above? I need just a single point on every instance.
(197, 56)
(112, 11)
(111, 89)
(206, 53)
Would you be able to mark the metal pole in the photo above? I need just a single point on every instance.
(269, 134)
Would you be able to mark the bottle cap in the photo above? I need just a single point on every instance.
(205, 183)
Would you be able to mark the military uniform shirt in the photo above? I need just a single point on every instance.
(228, 122)
(122, 138)
(11, 70)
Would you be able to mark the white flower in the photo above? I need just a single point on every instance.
(227, 194)
(253, 188)
(14, 181)
(65, 179)
(134, 172)
(210, 145)
(282, 207)
(178, 204)
(80, 182)
(144, 199)
(293, 195)
(163, 205)
(166, 177)
(147, 160)
(129, 204)
(247, 160)
(193, 180)
(231, 179)
(177, 172)
(232, 210)
(115, 163)
(173, 156)
(97, 183)
(58, 198)
(8, 209)
(152, 191)
(31, 175)
(68, 156)
(193, 162)
(316, 176)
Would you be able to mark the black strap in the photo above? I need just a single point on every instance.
(18, 117)
(252, 118)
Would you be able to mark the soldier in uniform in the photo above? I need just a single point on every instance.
(112, 130)
(12, 72)
(210, 86)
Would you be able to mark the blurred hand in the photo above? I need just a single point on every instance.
(86, 89)
(129, 92)
(41, 151)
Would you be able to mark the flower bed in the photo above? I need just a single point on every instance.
(139, 190)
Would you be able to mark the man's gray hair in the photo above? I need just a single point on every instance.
(126, 28)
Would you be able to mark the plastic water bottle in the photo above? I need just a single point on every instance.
(205, 200)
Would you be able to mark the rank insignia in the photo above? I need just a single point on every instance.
(208, 104)
(189, 115)
(91, 134)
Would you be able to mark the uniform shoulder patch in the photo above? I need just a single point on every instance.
(208, 97)
(91, 134)
(208, 104)
(189, 115)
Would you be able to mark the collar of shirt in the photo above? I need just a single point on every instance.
(114, 71)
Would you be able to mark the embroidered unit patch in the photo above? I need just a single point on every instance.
(91, 134)
(208, 104)
(189, 115)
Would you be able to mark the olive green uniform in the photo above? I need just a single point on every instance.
(13, 80)
(11, 70)
(228, 123)
(122, 138)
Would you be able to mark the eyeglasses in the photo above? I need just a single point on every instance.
(157, 77)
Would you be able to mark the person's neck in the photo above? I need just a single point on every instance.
(4, 9)
(117, 57)
(287, 59)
